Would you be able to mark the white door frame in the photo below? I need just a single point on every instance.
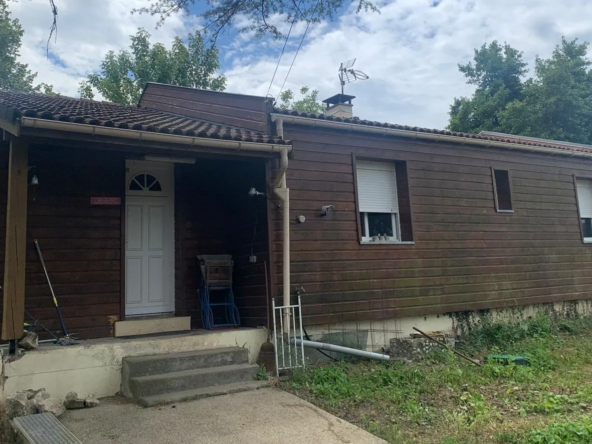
(142, 199)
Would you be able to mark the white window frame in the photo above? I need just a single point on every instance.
(395, 219)
(585, 211)
(396, 238)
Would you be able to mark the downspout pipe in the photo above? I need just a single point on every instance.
(283, 193)
(340, 349)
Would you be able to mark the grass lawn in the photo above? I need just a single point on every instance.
(446, 400)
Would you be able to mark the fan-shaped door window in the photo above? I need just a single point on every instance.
(144, 182)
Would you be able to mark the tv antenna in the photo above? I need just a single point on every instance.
(347, 74)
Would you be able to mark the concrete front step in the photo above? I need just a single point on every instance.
(143, 386)
(177, 362)
(190, 395)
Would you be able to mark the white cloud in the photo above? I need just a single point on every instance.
(410, 50)
(87, 30)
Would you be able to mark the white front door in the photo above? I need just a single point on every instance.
(149, 239)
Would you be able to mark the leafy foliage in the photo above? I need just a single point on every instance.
(309, 101)
(14, 75)
(556, 103)
(124, 74)
(260, 14)
(262, 374)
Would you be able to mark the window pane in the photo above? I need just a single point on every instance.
(363, 224)
(587, 226)
(380, 224)
(135, 186)
(502, 186)
(156, 186)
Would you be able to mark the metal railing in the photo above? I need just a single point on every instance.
(288, 354)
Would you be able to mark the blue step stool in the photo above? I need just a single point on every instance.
(216, 297)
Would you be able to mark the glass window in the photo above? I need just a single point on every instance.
(378, 201)
(584, 189)
(503, 194)
(145, 182)
(380, 224)
(587, 227)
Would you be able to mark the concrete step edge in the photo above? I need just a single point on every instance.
(169, 356)
(207, 392)
(194, 372)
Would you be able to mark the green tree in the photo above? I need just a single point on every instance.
(14, 75)
(309, 101)
(124, 74)
(497, 73)
(556, 103)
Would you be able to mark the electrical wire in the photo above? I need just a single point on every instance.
(297, 51)
(281, 54)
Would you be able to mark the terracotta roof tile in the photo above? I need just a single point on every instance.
(13, 105)
(498, 137)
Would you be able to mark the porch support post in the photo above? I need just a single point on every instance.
(13, 313)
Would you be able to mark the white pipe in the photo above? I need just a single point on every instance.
(284, 194)
(340, 349)
(306, 121)
(97, 130)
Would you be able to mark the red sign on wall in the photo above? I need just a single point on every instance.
(105, 200)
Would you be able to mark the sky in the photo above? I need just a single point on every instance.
(410, 50)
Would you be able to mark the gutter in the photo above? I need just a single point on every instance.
(280, 119)
(96, 130)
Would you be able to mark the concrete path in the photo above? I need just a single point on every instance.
(267, 416)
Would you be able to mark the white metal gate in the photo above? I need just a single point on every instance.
(288, 354)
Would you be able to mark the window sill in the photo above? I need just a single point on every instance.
(505, 211)
(390, 243)
(587, 240)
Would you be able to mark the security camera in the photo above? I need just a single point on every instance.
(326, 209)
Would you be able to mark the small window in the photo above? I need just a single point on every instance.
(378, 201)
(584, 187)
(502, 191)
(144, 182)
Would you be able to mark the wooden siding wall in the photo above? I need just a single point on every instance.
(466, 256)
(215, 215)
(81, 243)
(231, 109)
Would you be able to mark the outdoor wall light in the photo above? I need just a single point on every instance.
(34, 180)
(326, 209)
(253, 192)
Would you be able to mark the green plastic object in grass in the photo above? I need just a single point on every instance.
(507, 359)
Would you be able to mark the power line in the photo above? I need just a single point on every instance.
(298, 50)
(282, 53)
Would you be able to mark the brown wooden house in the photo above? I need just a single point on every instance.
(397, 221)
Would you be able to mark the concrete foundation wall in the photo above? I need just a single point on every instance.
(373, 336)
(94, 366)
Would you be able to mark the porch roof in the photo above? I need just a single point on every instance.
(14, 105)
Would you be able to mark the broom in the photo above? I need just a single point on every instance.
(66, 339)
(267, 351)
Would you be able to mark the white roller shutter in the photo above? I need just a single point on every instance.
(377, 187)
(585, 197)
